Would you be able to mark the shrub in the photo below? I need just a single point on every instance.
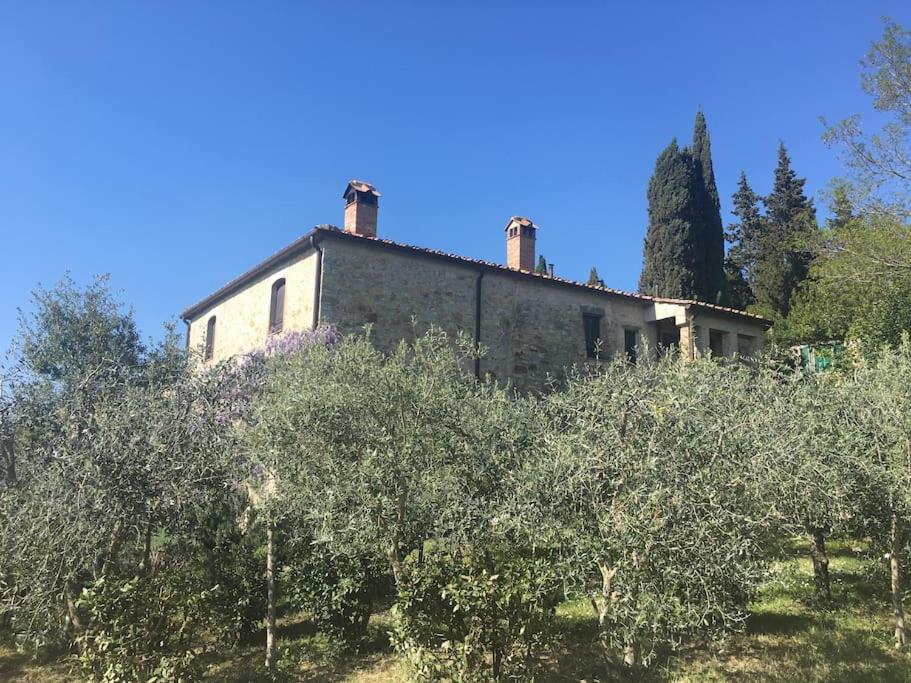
(140, 629)
(468, 618)
(339, 591)
(224, 555)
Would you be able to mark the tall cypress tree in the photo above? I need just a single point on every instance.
(670, 265)
(783, 255)
(594, 279)
(743, 237)
(684, 250)
(710, 233)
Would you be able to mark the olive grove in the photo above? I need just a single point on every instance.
(154, 511)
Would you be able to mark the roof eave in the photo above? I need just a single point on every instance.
(299, 246)
(302, 244)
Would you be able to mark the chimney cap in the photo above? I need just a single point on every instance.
(360, 186)
(522, 221)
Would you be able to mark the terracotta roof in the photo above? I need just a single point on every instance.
(361, 186)
(302, 244)
(711, 307)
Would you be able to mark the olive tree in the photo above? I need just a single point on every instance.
(881, 439)
(119, 453)
(371, 447)
(650, 475)
(813, 482)
(402, 457)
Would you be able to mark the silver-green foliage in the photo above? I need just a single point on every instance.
(116, 454)
(376, 455)
(652, 479)
(380, 453)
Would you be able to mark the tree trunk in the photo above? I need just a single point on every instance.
(394, 550)
(629, 655)
(146, 562)
(395, 562)
(105, 558)
(270, 602)
(72, 612)
(602, 610)
(895, 566)
(820, 564)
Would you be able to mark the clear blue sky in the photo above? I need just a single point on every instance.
(174, 145)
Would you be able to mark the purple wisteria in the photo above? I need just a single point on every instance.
(250, 372)
(294, 341)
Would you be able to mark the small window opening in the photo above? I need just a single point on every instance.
(277, 307)
(210, 338)
(631, 344)
(366, 198)
(592, 325)
(716, 343)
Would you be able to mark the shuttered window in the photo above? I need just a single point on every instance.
(277, 306)
(210, 338)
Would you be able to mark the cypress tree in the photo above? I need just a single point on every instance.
(841, 208)
(737, 289)
(593, 279)
(710, 232)
(541, 268)
(783, 255)
(670, 266)
(743, 237)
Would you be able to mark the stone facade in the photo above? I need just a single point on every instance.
(532, 327)
(242, 319)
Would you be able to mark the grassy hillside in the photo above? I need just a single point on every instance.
(787, 638)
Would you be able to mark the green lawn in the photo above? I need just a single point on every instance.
(787, 639)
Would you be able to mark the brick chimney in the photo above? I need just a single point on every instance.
(361, 205)
(520, 243)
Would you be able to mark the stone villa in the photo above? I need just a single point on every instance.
(532, 326)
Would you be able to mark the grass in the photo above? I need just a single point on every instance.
(787, 638)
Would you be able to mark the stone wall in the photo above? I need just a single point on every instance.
(740, 336)
(242, 320)
(531, 329)
(365, 284)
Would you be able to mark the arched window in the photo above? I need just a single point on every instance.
(277, 306)
(210, 338)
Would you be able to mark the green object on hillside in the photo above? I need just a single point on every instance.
(821, 356)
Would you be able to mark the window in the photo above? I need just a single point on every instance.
(277, 307)
(630, 344)
(210, 338)
(716, 343)
(670, 340)
(592, 325)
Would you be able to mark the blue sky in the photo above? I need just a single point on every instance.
(174, 145)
